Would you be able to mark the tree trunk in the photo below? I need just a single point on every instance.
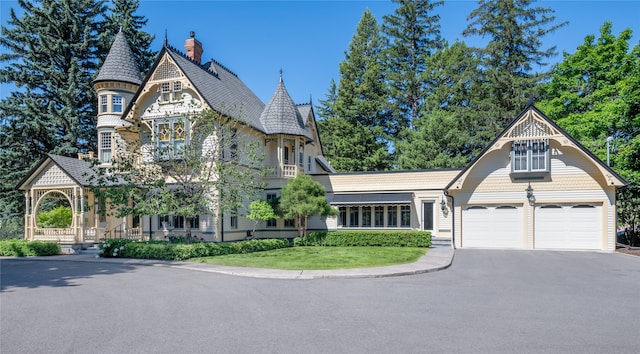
(187, 229)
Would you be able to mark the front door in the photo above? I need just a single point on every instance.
(427, 216)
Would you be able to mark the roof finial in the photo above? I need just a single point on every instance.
(531, 99)
(280, 74)
(166, 41)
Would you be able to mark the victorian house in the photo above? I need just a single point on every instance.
(533, 187)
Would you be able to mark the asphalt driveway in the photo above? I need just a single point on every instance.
(486, 302)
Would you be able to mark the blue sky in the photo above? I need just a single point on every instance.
(307, 39)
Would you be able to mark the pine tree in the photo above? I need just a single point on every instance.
(53, 54)
(414, 34)
(515, 31)
(122, 15)
(361, 99)
(450, 130)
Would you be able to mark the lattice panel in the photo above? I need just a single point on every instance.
(166, 70)
(53, 176)
(531, 127)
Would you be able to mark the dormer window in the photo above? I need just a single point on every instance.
(116, 103)
(530, 156)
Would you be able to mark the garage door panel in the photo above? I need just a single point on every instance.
(492, 227)
(568, 227)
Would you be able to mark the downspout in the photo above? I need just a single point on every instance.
(453, 219)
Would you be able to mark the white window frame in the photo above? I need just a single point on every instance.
(104, 103)
(117, 101)
(526, 156)
(106, 148)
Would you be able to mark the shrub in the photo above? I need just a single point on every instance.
(387, 238)
(121, 248)
(21, 248)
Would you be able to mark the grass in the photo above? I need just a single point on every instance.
(312, 258)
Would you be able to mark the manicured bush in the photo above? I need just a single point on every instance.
(21, 248)
(178, 252)
(386, 238)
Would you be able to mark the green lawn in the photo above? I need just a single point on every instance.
(309, 258)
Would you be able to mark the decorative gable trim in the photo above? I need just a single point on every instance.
(53, 175)
(531, 126)
(532, 123)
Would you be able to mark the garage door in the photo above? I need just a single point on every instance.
(568, 227)
(492, 226)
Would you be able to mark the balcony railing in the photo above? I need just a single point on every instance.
(284, 171)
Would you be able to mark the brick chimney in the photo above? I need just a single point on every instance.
(193, 47)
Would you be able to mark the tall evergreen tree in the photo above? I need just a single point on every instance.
(122, 16)
(515, 31)
(414, 34)
(358, 110)
(451, 129)
(53, 54)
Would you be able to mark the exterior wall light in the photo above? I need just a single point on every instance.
(530, 197)
(443, 206)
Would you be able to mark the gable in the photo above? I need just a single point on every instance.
(530, 125)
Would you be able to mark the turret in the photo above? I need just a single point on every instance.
(115, 85)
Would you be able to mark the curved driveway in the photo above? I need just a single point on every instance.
(486, 302)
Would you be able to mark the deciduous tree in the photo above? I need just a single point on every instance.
(301, 198)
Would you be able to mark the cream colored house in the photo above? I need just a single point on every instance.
(532, 187)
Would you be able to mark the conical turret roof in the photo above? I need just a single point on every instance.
(120, 64)
(281, 116)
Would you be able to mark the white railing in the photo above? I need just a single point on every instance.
(55, 234)
(134, 234)
(289, 171)
(90, 234)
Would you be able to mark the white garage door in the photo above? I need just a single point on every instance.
(492, 226)
(568, 227)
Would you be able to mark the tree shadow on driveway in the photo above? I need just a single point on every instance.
(49, 272)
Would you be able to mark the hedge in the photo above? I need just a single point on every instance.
(386, 238)
(120, 248)
(21, 248)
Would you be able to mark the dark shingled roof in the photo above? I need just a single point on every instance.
(222, 90)
(120, 64)
(79, 170)
(281, 116)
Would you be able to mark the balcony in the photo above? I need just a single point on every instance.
(284, 171)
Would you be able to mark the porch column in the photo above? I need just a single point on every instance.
(82, 215)
(27, 215)
(74, 212)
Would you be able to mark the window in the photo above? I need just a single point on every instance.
(171, 136)
(354, 214)
(103, 103)
(105, 148)
(116, 104)
(165, 92)
(366, 216)
(392, 216)
(530, 156)
(301, 155)
(309, 165)
(342, 216)
(289, 222)
(405, 216)
(379, 216)
(234, 219)
(177, 222)
(271, 197)
(286, 155)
